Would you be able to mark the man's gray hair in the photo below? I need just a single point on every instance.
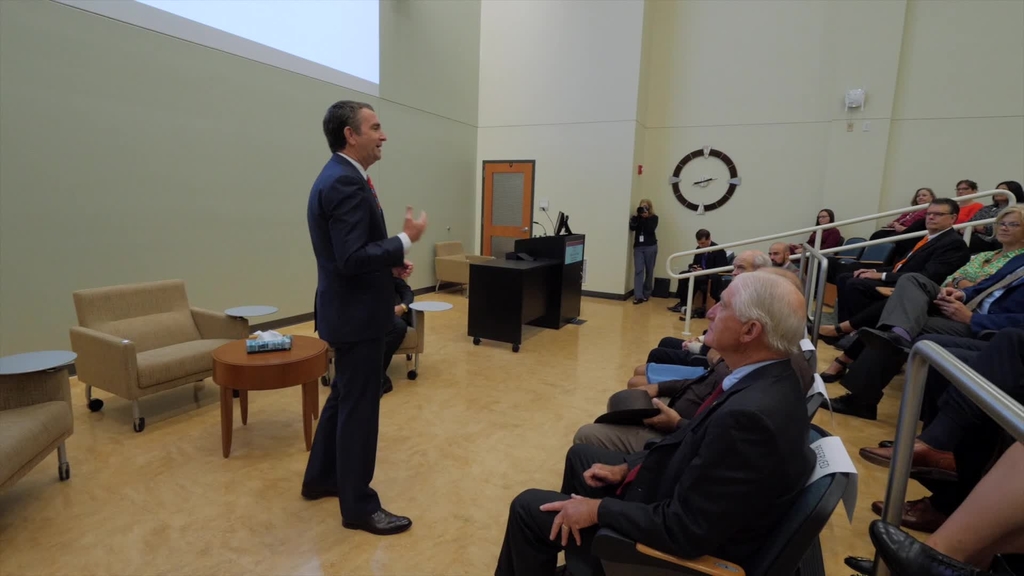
(774, 303)
(758, 259)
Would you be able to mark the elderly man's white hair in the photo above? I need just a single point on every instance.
(757, 258)
(776, 305)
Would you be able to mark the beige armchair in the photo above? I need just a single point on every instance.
(451, 263)
(412, 347)
(35, 420)
(140, 339)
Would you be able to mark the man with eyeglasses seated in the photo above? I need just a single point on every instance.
(935, 256)
(919, 306)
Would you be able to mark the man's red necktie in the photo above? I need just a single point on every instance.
(711, 399)
(374, 190)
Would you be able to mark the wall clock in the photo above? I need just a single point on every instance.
(703, 180)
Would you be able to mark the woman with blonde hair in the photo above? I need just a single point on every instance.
(645, 250)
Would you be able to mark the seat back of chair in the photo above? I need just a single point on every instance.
(798, 532)
(452, 248)
(877, 254)
(151, 314)
(854, 252)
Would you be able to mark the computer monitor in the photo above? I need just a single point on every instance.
(562, 224)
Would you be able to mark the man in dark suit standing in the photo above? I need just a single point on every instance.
(356, 262)
(400, 323)
(718, 485)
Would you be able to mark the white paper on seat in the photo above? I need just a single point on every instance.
(832, 458)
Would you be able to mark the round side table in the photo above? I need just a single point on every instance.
(250, 311)
(45, 361)
(234, 369)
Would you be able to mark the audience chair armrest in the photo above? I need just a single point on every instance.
(20, 390)
(885, 290)
(610, 546)
(214, 325)
(105, 361)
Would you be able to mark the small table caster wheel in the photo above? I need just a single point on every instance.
(64, 471)
(408, 357)
(325, 381)
(515, 347)
(139, 425)
(95, 405)
(412, 374)
(476, 341)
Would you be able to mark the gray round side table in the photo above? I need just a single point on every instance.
(44, 361)
(431, 306)
(250, 311)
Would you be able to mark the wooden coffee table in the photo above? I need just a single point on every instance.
(234, 369)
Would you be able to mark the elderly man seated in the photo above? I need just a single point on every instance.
(719, 485)
(679, 399)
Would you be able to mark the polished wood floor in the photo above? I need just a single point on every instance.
(478, 426)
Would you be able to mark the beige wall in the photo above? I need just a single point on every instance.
(944, 82)
(558, 84)
(129, 156)
(959, 101)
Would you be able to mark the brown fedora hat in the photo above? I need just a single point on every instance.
(631, 406)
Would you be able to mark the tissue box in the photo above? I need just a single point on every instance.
(271, 345)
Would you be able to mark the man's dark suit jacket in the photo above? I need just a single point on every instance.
(937, 259)
(715, 259)
(686, 396)
(354, 256)
(1007, 311)
(720, 485)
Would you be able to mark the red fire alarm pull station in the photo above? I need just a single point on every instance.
(639, 169)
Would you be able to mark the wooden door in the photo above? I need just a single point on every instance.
(507, 205)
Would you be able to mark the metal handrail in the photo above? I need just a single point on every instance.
(1006, 411)
(819, 294)
(814, 272)
(859, 219)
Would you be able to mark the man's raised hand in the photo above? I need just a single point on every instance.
(414, 228)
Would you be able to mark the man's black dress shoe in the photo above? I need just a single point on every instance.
(316, 494)
(852, 406)
(387, 386)
(886, 444)
(861, 565)
(381, 523)
(884, 339)
(906, 556)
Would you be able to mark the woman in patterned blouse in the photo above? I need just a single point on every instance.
(1009, 232)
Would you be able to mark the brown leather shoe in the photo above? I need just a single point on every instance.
(927, 462)
(918, 515)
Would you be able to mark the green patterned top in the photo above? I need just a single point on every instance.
(982, 266)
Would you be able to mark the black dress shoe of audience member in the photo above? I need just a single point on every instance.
(906, 556)
(318, 493)
(886, 444)
(860, 564)
(884, 339)
(381, 523)
(677, 308)
(850, 405)
(386, 387)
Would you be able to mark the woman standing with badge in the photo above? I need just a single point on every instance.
(645, 250)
